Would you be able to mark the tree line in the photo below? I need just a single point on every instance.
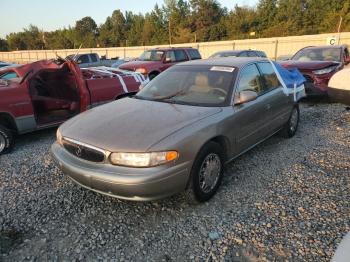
(181, 21)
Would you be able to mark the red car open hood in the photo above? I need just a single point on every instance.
(132, 66)
(308, 65)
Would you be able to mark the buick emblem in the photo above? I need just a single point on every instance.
(78, 151)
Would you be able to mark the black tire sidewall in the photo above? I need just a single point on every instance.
(290, 132)
(204, 152)
(152, 76)
(5, 133)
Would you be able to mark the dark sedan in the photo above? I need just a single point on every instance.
(318, 65)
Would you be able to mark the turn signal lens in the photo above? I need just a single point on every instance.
(171, 155)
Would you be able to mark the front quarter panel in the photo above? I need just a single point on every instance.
(189, 140)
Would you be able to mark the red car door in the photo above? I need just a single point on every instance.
(83, 90)
(17, 101)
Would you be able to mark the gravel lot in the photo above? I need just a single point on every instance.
(287, 199)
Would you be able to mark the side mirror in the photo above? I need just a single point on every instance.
(167, 60)
(245, 97)
(79, 62)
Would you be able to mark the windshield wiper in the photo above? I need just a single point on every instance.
(162, 98)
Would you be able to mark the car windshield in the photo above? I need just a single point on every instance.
(151, 55)
(191, 85)
(321, 54)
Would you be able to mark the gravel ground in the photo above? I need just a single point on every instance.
(287, 199)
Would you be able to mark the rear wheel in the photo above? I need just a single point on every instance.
(6, 140)
(206, 173)
(291, 126)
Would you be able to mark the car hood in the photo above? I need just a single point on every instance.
(138, 64)
(307, 65)
(132, 125)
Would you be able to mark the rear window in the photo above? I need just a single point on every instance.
(194, 54)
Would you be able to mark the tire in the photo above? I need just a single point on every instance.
(6, 140)
(291, 127)
(196, 191)
(152, 75)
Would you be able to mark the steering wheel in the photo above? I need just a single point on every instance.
(222, 91)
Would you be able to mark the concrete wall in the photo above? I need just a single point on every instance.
(274, 47)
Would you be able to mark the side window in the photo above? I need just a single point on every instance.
(9, 75)
(262, 54)
(170, 57)
(269, 77)
(249, 80)
(194, 54)
(84, 59)
(243, 54)
(180, 56)
(93, 58)
(252, 54)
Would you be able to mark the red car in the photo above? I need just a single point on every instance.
(153, 62)
(318, 65)
(46, 93)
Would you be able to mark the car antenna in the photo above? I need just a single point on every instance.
(77, 52)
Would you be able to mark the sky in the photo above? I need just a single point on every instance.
(54, 14)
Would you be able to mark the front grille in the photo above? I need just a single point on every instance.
(308, 79)
(83, 152)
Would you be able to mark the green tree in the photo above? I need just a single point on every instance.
(86, 32)
(205, 16)
(3, 45)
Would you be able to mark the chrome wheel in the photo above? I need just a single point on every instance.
(209, 172)
(294, 118)
(2, 143)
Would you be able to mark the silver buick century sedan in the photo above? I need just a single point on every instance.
(178, 132)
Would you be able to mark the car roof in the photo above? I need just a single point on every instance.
(169, 48)
(325, 46)
(238, 62)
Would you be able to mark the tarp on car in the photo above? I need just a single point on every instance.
(292, 81)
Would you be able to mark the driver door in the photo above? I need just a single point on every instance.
(249, 119)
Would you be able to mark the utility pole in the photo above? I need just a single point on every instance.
(169, 32)
(339, 28)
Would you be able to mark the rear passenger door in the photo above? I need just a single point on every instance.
(277, 103)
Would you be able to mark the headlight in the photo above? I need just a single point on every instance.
(143, 159)
(141, 70)
(59, 136)
(325, 70)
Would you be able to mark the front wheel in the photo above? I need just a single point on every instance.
(206, 173)
(291, 126)
(6, 140)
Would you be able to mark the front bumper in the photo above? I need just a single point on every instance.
(137, 184)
